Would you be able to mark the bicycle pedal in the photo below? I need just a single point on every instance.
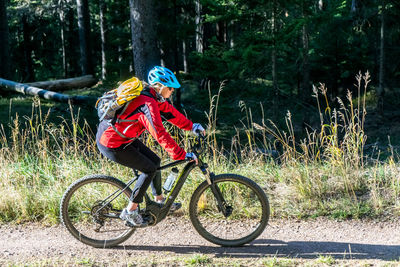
(135, 226)
(129, 224)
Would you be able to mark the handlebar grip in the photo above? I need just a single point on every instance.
(200, 133)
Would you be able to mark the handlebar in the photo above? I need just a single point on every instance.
(197, 146)
(199, 133)
(197, 149)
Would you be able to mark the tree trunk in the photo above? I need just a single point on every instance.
(71, 52)
(123, 71)
(29, 74)
(62, 35)
(199, 27)
(353, 6)
(66, 84)
(103, 40)
(145, 52)
(381, 90)
(30, 90)
(184, 55)
(185, 44)
(273, 57)
(220, 27)
(233, 30)
(321, 5)
(306, 90)
(4, 42)
(176, 48)
(84, 36)
(176, 57)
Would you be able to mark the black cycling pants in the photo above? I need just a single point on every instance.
(136, 156)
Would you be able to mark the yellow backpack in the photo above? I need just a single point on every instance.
(112, 101)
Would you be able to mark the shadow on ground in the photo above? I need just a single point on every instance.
(294, 249)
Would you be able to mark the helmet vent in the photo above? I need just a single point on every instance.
(164, 76)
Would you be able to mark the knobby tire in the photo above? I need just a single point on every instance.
(80, 198)
(250, 211)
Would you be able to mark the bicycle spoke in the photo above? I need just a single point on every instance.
(246, 211)
(91, 211)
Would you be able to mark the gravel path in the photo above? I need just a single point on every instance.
(176, 237)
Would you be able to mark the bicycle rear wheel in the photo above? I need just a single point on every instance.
(248, 211)
(90, 210)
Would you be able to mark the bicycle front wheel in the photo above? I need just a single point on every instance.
(90, 210)
(248, 211)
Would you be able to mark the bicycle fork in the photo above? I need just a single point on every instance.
(221, 203)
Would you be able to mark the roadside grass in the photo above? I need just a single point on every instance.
(325, 260)
(197, 260)
(324, 174)
(277, 261)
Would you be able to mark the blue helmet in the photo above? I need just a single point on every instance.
(164, 76)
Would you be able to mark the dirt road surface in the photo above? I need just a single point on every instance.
(175, 237)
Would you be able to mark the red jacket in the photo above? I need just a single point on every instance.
(146, 112)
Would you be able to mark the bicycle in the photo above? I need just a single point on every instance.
(225, 209)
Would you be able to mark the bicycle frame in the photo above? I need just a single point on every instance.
(155, 212)
(110, 196)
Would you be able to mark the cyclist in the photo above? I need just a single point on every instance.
(146, 113)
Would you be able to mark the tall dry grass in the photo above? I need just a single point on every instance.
(325, 173)
(39, 159)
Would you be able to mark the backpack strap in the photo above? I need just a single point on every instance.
(121, 134)
(119, 112)
(146, 92)
(116, 120)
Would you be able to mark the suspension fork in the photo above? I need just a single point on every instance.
(221, 203)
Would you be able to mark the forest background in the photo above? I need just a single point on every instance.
(324, 71)
(280, 49)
